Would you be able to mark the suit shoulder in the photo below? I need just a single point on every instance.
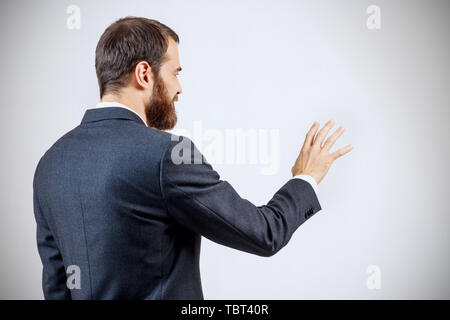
(166, 139)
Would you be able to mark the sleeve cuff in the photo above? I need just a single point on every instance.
(308, 178)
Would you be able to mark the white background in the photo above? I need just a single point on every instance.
(264, 65)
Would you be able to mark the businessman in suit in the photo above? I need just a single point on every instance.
(121, 205)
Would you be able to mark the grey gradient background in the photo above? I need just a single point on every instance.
(272, 65)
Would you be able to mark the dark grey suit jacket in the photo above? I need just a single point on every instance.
(110, 200)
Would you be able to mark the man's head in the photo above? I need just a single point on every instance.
(139, 57)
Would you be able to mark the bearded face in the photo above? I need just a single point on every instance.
(160, 110)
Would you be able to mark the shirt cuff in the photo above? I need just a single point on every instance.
(308, 178)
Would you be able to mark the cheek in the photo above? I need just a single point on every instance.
(170, 82)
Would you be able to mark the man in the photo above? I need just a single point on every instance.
(121, 205)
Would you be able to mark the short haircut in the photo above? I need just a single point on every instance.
(124, 44)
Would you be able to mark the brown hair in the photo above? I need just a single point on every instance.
(124, 44)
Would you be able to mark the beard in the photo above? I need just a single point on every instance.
(160, 110)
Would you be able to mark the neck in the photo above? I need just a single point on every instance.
(131, 101)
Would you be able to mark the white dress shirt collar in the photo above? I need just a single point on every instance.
(117, 104)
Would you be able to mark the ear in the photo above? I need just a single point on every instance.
(142, 74)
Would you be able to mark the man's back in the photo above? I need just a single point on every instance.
(109, 199)
(99, 193)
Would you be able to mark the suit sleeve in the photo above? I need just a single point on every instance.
(198, 199)
(53, 272)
